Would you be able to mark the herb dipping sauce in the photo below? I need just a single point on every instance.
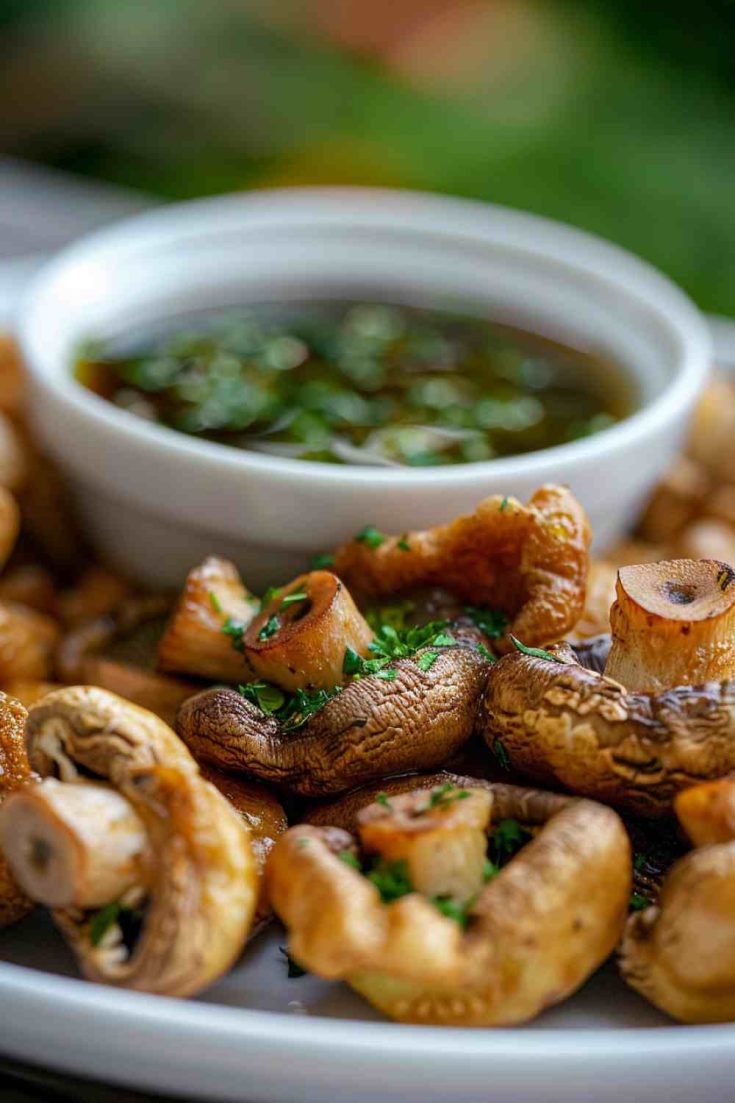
(360, 384)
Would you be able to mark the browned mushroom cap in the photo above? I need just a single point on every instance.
(117, 652)
(529, 561)
(560, 723)
(373, 727)
(96, 592)
(195, 641)
(28, 641)
(198, 897)
(15, 773)
(531, 935)
(266, 820)
(673, 624)
(299, 638)
(680, 954)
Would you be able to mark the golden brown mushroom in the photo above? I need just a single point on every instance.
(497, 955)
(195, 641)
(15, 773)
(299, 638)
(680, 953)
(28, 641)
(117, 651)
(191, 882)
(673, 624)
(96, 593)
(371, 728)
(31, 585)
(529, 562)
(265, 818)
(558, 723)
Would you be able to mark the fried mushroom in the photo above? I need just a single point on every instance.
(15, 773)
(299, 638)
(28, 641)
(198, 638)
(370, 728)
(559, 723)
(185, 920)
(117, 650)
(530, 562)
(496, 956)
(673, 624)
(680, 953)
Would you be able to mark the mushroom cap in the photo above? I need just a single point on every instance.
(203, 885)
(683, 590)
(534, 933)
(373, 727)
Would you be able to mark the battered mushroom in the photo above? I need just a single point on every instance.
(179, 856)
(673, 624)
(560, 723)
(372, 727)
(299, 638)
(117, 652)
(680, 954)
(496, 955)
(15, 772)
(199, 637)
(530, 562)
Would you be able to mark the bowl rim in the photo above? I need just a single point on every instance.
(458, 219)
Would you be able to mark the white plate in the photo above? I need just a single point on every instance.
(261, 1037)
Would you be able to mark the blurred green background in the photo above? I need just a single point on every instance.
(616, 116)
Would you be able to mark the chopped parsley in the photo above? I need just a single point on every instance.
(403, 544)
(503, 505)
(638, 901)
(480, 647)
(235, 629)
(491, 622)
(294, 969)
(370, 537)
(536, 652)
(396, 615)
(507, 839)
(427, 659)
(453, 909)
(271, 593)
(350, 859)
(501, 754)
(389, 674)
(444, 795)
(382, 799)
(322, 561)
(490, 869)
(291, 709)
(391, 644)
(294, 598)
(102, 920)
(215, 602)
(391, 879)
(270, 627)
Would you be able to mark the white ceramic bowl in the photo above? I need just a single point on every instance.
(156, 501)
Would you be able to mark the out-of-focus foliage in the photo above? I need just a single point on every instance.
(618, 117)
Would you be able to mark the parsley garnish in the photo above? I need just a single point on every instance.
(536, 652)
(267, 697)
(396, 615)
(639, 861)
(350, 859)
(294, 969)
(391, 644)
(267, 598)
(426, 660)
(501, 754)
(503, 505)
(293, 599)
(491, 622)
(101, 921)
(506, 840)
(391, 879)
(215, 602)
(452, 908)
(382, 799)
(445, 794)
(485, 653)
(235, 629)
(270, 628)
(389, 674)
(489, 870)
(403, 544)
(370, 536)
(322, 561)
(638, 902)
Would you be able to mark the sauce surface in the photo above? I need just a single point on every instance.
(358, 383)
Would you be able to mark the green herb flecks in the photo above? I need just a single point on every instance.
(270, 627)
(383, 800)
(453, 909)
(105, 918)
(267, 697)
(445, 795)
(536, 652)
(391, 644)
(500, 752)
(350, 859)
(235, 629)
(370, 536)
(403, 544)
(507, 838)
(321, 562)
(294, 599)
(503, 505)
(391, 879)
(638, 901)
(488, 655)
(215, 602)
(491, 622)
(291, 709)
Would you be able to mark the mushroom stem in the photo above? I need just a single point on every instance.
(299, 638)
(673, 624)
(73, 846)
